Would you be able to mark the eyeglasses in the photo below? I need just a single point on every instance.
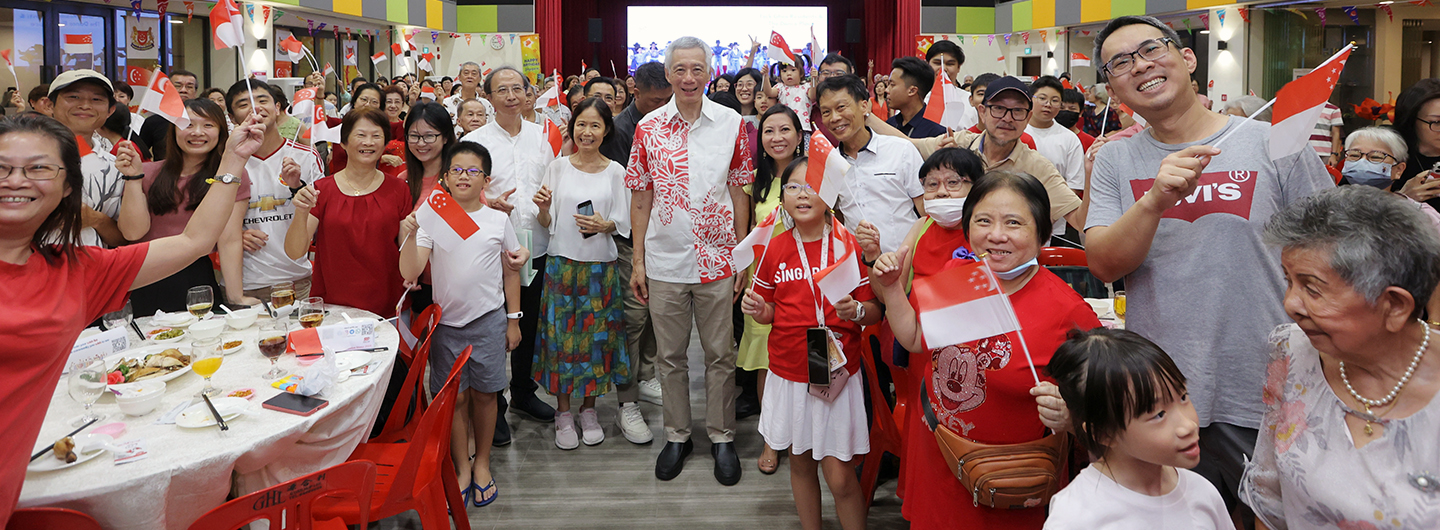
(33, 171)
(951, 184)
(1151, 50)
(794, 189)
(1434, 125)
(507, 90)
(423, 138)
(470, 172)
(999, 112)
(1378, 157)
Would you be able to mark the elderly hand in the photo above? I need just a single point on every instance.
(306, 198)
(869, 238)
(1179, 175)
(391, 160)
(1053, 412)
(1422, 187)
(887, 268)
(593, 224)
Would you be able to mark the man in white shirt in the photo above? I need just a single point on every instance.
(519, 152)
(688, 165)
(469, 89)
(82, 100)
(1056, 143)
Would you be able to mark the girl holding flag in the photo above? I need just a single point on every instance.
(821, 428)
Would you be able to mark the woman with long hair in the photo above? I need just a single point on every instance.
(1417, 119)
(173, 189)
(428, 133)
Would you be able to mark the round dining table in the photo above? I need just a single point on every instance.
(188, 472)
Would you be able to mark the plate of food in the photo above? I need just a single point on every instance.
(69, 452)
(232, 347)
(165, 335)
(159, 363)
(242, 393)
(199, 416)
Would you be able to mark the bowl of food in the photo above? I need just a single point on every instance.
(242, 318)
(140, 398)
(232, 347)
(207, 329)
(242, 393)
(166, 335)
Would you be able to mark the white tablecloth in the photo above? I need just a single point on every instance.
(190, 471)
(1105, 310)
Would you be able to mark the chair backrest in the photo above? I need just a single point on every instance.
(287, 505)
(50, 518)
(1062, 256)
(411, 390)
(420, 328)
(431, 442)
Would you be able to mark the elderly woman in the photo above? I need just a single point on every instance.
(1348, 438)
(1244, 106)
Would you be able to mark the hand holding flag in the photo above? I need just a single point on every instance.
(162, 98)
(10, 63)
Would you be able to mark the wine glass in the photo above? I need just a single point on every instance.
(205, 358)
(119, 319)
(1120, 305)
(282, 294)
(312, 312)
(273, 340)
(86, 384)
(199, 299)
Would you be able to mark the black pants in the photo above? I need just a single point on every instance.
(523, 358)
(168, 294)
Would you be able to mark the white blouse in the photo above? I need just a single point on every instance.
(606, 191)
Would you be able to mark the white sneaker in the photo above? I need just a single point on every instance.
(590, 427)
(650, 391)
(633, 426)
(565, 437)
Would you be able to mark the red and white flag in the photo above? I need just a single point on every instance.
(320, 130)
(329, 70)
(780, 51)
(409, 40)
(962, 304)
(397, 49)
(301, 96)
(427, 62)
(947, 106)
(552, 134)
(379, 58)
(1300, 102)
(826, 170)
(79, 43)
(751, 249)
(814, 44)
(1079, 59)
(837, 280)
(427, 92)
(350, 58)
(162, 98)
(226, 24)
(10, 63)
(293, 49)
(1129, 112)
(551, 96)
(445, 221)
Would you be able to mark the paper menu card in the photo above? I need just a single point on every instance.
(335, 337)
(97, 347)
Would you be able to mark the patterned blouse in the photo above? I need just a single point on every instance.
(1307, 472)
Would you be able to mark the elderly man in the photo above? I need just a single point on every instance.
(469, 89)
(688, 165)
(1181, 221)
(153, 132)
(82, 100)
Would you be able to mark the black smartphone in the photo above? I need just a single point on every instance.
(817, 356)
(586, 208)
(295, 404)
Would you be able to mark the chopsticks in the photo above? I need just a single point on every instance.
(382, 348)
(218, 420)
(52, 446)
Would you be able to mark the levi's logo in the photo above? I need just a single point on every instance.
(1218, 192)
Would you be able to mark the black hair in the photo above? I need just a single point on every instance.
(38, 93)
(1071, 95)
(121, 86)
(843, 83)
(790, 169)
(373, 115)
(59, 233)
(184, 73)
(590, 69)
(963, 162)
(982, 81)
(651, 76)
(359, 78)
(1108, 377)
(1047, 81)
(834, 58)
(765, 170)
(282, 102)
(242, 86)
(436, 116)
(212, 90)
(1024, 184)
(600, 106)
(165, 195)
(119, 121)
(726, 99)
(917, 73)
(574, 96)
(472, 148)
(1407, 110)
(602, 80)
(1121, 22)
(379, 94)
(524, 81)
(946, 47)
(447, 78)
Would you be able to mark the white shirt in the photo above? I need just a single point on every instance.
(1094, 500)
(102, 187)
(1061, 147)
(469, 279)
(271, 211)
(607, 194)
(452, 104)
(517, 163)
(883, 178)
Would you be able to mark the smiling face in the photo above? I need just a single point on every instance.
(393, 105)
(1003, 226)
(843, 114)
(462, 186)
(200, 137)
(1169, 435)
(804, 206)
(82, 107)
(416, 138)
(1149, 85)
(367, 99)
(469, 76)
(778, 137)
(722, 85)
(688, 71)
(762, 102)
(471, 116)
(1006, 128)
(507, 92)
(264, 104)
(366, 143)
(588, 130)
(745, 90)
(25, 203)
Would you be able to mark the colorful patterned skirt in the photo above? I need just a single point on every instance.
(581, 349)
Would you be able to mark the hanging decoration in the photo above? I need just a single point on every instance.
(1025, 37)
(1352, 13)
(1043, 36)
(1205, 21)
(1085, 32)
(189, 11)
(250, 12)
(311, 23)
(1007, 38)
(1186, 22)
(990, 39)
(1220, 13)
(276, 13)
(975, 40)
(1297, 11)
(434, 37)
(467, 39)
(135, 4)
(1245, 14)
(162, 6)
(1320, 12)
(1388, 12)
(1420, 3)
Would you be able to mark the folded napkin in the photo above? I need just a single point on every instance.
(169, 319)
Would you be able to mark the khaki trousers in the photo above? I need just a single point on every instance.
(639, 333)
(673, 308)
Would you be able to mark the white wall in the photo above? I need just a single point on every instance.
(983, 57)
(1227, 67)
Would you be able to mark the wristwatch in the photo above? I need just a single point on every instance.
(228, 178)
(515, 316)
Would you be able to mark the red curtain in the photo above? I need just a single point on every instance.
(890, 30)
(548, 23)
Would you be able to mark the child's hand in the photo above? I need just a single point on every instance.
(1053, 412)
(847, 309)
(752, 304)
(515, 259)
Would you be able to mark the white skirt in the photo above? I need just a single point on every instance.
(792, 418)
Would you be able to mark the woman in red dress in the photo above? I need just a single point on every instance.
(983, 390)
(354, 219)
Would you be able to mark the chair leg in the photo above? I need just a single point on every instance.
(452, 496)
(432, 515)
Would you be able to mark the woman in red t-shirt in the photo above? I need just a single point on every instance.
(983, 390)
(53, 287)
(429, 133)
(818, 432)
(393, 161)
(354, 219)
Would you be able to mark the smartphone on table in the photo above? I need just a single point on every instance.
(295, 404)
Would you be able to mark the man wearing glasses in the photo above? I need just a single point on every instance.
(1180, 221)
(469, 80)
(833, 65)
(604, 88)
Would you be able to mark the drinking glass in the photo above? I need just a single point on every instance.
(199, 299)
(273, 340)
(86, 384)
(282, 294)
(119, 319)
(205, 358)
(312, 312)
(1120, 305)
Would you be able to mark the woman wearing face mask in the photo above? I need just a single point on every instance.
(1376, 157)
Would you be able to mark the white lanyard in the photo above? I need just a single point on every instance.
(805, 263)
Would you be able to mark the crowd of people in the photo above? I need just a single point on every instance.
(1272, 371)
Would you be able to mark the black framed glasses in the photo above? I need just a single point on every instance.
(423, 138)
(1150, 50)
(470, 172)
(33, 171)
(999, 112)
(1378, 157)
(1434, 125)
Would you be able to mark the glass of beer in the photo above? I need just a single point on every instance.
(273, 340)
(282, 294)
(199, 299)
(1120, 305)
(205, 359)
(312, 312)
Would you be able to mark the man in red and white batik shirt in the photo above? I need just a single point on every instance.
(687, 165)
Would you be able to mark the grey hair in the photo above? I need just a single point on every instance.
(1248, 105)
(524, 81)
(1121, 22)
(1100, 90)
(1384, 135)
(470, 63)
(685, 43)
(1376, 240)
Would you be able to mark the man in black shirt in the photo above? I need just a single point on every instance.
(652, 91)
(152, 133)
(910, 81)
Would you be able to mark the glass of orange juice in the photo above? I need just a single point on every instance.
(205, 358)
(1120, 305)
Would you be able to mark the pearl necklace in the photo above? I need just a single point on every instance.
(1409, 371)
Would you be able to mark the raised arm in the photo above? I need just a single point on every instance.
(134, 221)
(1118, 249)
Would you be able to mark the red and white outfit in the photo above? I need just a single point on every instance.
(798, 99)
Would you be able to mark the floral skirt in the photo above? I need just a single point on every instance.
(581, 349)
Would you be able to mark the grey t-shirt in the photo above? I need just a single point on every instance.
(1210, 290)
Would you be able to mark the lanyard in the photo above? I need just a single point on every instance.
(805, 263)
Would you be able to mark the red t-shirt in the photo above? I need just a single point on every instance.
(357, 260)
(782, 281)
(1024, 136)
(1085, 141)
(935, 248)
(46, 308)
(982, 391)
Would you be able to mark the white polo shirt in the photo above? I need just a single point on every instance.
(517, 163)
(883, 179)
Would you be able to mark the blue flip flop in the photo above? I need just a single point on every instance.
(466, 497)
(480, 492)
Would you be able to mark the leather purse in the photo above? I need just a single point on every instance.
(1007, 476)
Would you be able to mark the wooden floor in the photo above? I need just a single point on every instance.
(613, 485)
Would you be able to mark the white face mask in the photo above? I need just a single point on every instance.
(947, 212)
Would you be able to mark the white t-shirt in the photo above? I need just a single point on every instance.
(452, 104)
(798, 99)
(606, 191)
(271, 212)
(517, 162)
(1061, 147)
(1094, 500)
(469, 279)
(884, 177)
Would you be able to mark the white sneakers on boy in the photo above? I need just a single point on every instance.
(633, 426)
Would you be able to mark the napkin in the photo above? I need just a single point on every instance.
(168, 319)
(318, 376)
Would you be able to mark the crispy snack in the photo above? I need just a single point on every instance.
(232, 344)
(154, 365)
(65, 450)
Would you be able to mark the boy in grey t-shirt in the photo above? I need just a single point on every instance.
(1181, 222)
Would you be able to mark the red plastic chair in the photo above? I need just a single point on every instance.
(50, 518)
(417, 474)
(884, 434)
(396, 427)
(288, 505)
(1062, 257)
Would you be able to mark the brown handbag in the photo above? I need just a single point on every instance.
(1009, 476)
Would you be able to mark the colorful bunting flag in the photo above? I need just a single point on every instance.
(189, 11)
(1007, 38)
(1388, 12)
(1245, 14)
(1205, 20)
(1352, 13)
(1320, 12)
(1221, 15)
(1043, 36)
